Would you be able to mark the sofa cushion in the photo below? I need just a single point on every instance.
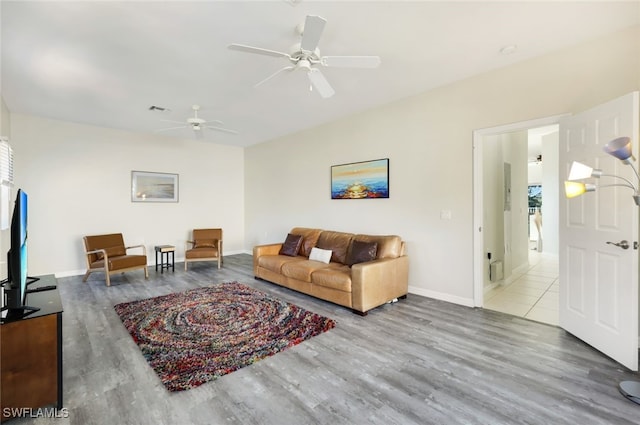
(291, 245)
(361, 252)
(335, 277)
(388, 246)
(274, 262)
(309, 239)
(319, 254)
(337, 242)
(302, 270)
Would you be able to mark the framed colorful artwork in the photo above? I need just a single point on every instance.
(360, 180)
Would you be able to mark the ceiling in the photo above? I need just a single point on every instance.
(105, 63)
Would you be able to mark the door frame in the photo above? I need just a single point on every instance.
(478, 194)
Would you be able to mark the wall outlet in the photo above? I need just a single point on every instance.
(445, 215)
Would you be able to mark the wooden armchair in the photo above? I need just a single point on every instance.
(107, 253)
(205, 246)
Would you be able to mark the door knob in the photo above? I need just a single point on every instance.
(622, 244)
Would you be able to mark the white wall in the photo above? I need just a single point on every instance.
(78, 179)
(551, 183)
(428, 139)
(505, 232)
(5, 243)
(493, 197)
(519, 241)
(535, 173)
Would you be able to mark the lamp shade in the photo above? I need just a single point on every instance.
(573, 189)
(620, 148)
(581, 171)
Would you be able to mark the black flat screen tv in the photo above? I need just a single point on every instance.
(17, 279)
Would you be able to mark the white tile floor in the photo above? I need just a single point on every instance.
(532, 294)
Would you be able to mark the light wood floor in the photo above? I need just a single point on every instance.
(418, 361)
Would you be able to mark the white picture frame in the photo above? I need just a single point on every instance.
(149, 186)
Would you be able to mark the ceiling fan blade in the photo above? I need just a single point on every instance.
(351, 61)
(320, 83)
(225, 130)
(172, 128)
(286, 68)
(173, 121)
(258, 50)
(313, 28)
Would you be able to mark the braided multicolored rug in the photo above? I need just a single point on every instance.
(196, 336)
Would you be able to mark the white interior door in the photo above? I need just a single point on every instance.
(599, 281)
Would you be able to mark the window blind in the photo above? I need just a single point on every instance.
(6, 162)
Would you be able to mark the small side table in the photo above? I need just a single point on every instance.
(166, 252)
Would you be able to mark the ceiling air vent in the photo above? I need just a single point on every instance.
(158, 108)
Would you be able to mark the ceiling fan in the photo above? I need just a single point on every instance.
(306, 56)
(197, 124)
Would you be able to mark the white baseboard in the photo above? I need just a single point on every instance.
(69, 273)
(467, 302)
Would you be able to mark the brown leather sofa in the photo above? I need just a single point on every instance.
(361, 286)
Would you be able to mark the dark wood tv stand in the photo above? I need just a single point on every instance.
(31, 355)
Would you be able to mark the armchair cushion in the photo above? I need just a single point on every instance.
(201, 252)
(110, 242)
(123, 262)
(205, 243)
(113, 251)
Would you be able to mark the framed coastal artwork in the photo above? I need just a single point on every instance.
(360, 180)
(154, 187)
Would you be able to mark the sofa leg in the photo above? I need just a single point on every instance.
(360, 313)
(402, 297)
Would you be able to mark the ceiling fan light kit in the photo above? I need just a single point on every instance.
(306, 55)
(197, 124)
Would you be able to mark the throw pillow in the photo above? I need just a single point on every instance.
(362, 252)
(291, 245)
(322, 255)
(205, 243)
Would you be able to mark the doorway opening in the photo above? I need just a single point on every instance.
(516, 219)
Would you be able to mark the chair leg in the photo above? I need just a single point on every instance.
(146, 272)
(108, 278)
(185, 264)
(86, 276)
(219, 262)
